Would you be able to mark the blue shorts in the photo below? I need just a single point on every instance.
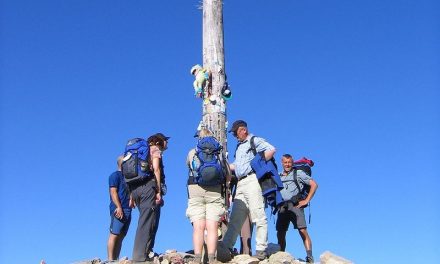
(120, 226)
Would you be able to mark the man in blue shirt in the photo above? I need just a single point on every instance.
(120, 212)
(248, 197)
(293, 208)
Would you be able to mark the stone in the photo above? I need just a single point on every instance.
(91, 261)
(174, 258)
(282, 258)
(329, 258)
(245, 259)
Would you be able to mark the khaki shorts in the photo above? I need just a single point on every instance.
(205, 203)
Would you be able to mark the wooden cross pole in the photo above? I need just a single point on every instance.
(214, 107)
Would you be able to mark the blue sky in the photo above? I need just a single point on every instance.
(354, 85)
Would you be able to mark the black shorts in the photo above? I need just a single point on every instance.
(291, 215)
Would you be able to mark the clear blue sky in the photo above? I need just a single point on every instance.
(354, 85)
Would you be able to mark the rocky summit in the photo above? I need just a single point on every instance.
(174, 257)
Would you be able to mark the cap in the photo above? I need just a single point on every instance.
(161, 136)
(237, 124)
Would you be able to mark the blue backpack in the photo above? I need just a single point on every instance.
(209, 171)
(135, 166)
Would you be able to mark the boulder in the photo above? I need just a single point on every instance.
(329, 258)
(173, 258)
(282, 258)
(244, 259)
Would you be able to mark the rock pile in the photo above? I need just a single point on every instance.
(174, 257)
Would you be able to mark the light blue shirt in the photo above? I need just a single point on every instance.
(290, 189)
(244, 154)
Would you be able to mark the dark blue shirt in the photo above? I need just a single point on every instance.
(116, 180)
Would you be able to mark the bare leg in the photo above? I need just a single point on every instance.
(211, 241)
(112, 247)
(199, 236)
(246, 237)
(305, 238)
(118, 245)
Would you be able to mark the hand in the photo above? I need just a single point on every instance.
(132, 203)
(119, 213)
(302, 203)
(158, 198)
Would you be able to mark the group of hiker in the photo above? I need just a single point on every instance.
(249, 183)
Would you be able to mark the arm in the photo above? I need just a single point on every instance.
(262, 145)
(156, 171)
(268, 154)
(119, 213)
(232, 167)
(132, 202)
(313, 188)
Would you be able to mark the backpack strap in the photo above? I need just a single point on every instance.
(191, 173)
(253, 147)
(295, 179)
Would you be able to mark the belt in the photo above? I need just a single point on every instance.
(245, 176)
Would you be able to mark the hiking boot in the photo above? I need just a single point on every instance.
(309, 259)
(196, 260)
(260, 254)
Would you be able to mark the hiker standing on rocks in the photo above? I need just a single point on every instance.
(206, 201)
(158, 144)
(292, 210)
(120, 212)
(248, 198)
(147, 195)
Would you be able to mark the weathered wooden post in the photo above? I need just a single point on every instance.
(214, 110)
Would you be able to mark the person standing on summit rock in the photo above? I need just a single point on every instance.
(292, 211)
(206, 203)
(147, 194)
(158, 144)
(248, 198)
(120, 212)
